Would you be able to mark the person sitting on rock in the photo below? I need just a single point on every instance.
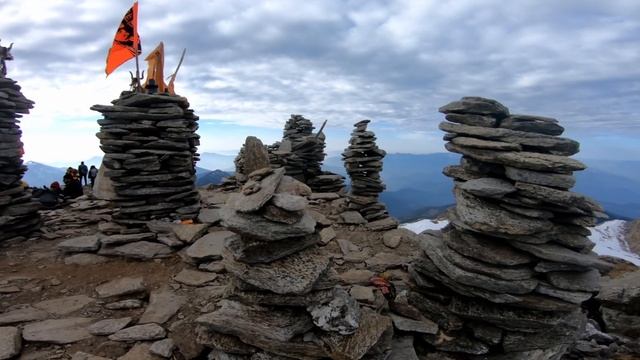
(72, 184)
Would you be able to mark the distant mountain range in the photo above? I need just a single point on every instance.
(416, 187)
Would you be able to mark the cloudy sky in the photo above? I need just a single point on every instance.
(250, 64)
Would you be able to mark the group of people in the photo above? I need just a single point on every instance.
(73, 180)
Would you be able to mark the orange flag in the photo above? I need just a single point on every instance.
(126, 41)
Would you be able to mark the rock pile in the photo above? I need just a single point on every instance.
(510, 272)
(283, 299)
(253, 155)
(18, 213)
(301, 153)
(363, 161)
(150, 145)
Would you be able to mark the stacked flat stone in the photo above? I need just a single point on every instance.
(363, 161)
(283, 299)
(150, 145)
(18, 213)
(508, 275)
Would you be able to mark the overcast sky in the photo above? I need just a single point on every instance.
(250, 64)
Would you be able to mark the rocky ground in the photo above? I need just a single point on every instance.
(58, 301)
(633, 236)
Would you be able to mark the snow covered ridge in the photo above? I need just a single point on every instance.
(609, 237)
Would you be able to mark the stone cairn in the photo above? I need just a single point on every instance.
(18, 213)
(301, 153)
(363, 161)
(507, 277)
(150, 145)
(283, 299)
(253, 155)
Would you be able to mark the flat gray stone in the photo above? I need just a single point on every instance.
(64, 305)
(85, 259)
(387, 223)
(163, 304)
(144, 332)
(621, 292)
(485, 249)
(481, 267)
(188, 233)
(80, 355)
(485, 144)
(326, 235)
(561, 254)
(253, 202)
(257, 227)
(352, 217)
(486, 217)
(362, 293)
(89, 243)
(341, 314)
(424, 326)
(143, 250)
(210, 246)
(209, 216)
(118, 239)
(402, 349)
(125, 304)
(58, 331)
(23, 315)
(120, 287)
(386, 260)
(476, 105)
(109, 326)
(472, 119)
(356, 276)
(162, 348)
(324, 196)
(139, 351)
(588, 281)
(535, 124)
(488, 187)
(574, 297)
(10, 342)
(194, 278)
(294, 274)
(558, 197)
(540, 178)
(254, 251)
(289, 202)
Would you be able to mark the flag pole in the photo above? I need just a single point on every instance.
(137, 46)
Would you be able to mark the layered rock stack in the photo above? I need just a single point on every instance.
(283, 299)
(508, 275)
(253, 155)
(301, 153)
(150, 145)
(363, 161)
(18, 213)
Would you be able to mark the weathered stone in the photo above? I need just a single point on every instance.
(326, 235)
(188, 233)
(58, 331)
(383, 224)
(256, 156)
(618, 322)
(352, 217)
(143, 250)
(485, 249)
(402, 349)
(588, 281)
(356, 276)
(485, 144)
(120, 287)
(85, 259)
(423, 326)
(139, 351)
(126, 238)
(210, 246)
(64, 305)
(486, 217)
(480, 267)
(523, 159)
(253, 251)
(363, 293)
(163, 304)
(558, 197)
(488, 187)
(257, 227)
(536, 124)
(294, 274)
(10, 342)
(276, 214)
(194, 278)
(575, 297)
(255, 324)
(209, 216)
(561, 254)
(255, 201)
(622, 292)
(486, 333)
(476, 105)
(341, 314)
(292, 186)
(24, 314)
(385, 260)
(87, 243)
(80, 355)
(124, 304)
(109, 326)
(289, 202)
(139, 333)
(540, 178)
(472, 119)
(355, 346)
(162, 348)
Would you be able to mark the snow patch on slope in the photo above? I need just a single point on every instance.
(609, 238)
(425, 224)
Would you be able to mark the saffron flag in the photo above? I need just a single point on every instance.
(126, 42)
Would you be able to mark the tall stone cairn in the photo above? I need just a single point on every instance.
(150, 145)
(301, 152)
(283, 299)
(506, 278)
(363, 161)
(18, 214)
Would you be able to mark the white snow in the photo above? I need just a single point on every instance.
(425, 224)
(609, 238)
